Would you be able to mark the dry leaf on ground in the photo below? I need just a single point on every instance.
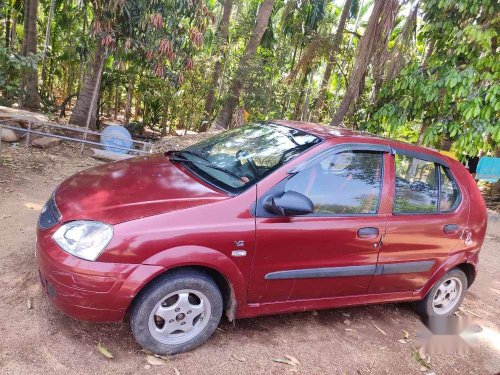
(154, 361)
(286, 361)
(104, 351)
(293, 359)
(380, 329)
(406, 335)
(238, 358)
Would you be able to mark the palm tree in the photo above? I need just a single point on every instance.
(261, 22)
(310, 14)
(85, 111)
(29, 81)
(387, 64)
(223, 34)
(337, 39)
(377, 31)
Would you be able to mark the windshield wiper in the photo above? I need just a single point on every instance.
(177, 156)
(181, 152)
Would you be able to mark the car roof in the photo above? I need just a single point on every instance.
(331, 132)
(324, 131)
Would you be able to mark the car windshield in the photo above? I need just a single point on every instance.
(238, 158)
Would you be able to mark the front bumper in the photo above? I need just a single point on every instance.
(84, 290)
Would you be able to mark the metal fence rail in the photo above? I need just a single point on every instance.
(145, 147)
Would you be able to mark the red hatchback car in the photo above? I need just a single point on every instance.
(269, 218)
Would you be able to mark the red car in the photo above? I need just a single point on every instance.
(264, 219)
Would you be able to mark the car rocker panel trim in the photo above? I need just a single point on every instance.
(381, 269)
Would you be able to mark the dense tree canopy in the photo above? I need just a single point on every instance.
(424, 71)
(454, 91)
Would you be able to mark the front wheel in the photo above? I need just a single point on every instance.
(177, 313)
(446, 296)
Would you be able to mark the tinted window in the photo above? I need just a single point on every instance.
(449, 191)
(416, 186)
(345, 183)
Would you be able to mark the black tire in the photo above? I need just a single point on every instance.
(158, 290)
(425, 307)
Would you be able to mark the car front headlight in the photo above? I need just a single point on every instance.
(84, 239)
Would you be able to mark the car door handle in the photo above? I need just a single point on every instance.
(451, 228)
(368, 232)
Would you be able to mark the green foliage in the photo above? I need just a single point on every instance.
(11, 66)
(162, 54)
(456, 92)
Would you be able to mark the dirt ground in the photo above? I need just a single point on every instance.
(36, 339)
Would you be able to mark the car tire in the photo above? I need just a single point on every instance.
(452, 284)
(176, 312)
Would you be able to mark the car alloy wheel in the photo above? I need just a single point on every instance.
(179, 317)
(447, 296)
(176, 312)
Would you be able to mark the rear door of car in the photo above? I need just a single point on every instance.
(428, 217)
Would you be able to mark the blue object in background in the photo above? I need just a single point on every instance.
(116, 135)
(488, 169)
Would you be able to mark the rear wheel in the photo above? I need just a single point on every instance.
(177, 313)
(446, 296)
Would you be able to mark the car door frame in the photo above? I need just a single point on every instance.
(401, 264)
(343, 145)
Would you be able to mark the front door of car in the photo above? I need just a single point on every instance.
(428, 219)
(333, 250)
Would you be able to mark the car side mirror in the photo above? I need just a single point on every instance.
(290, 203)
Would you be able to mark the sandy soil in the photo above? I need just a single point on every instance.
(36, 339)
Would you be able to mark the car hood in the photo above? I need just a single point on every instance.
(131, 189)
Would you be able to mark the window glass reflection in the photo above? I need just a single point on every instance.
(416, 185)
(345, 183)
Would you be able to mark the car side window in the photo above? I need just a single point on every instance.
(342, 184)
(449, 193)
(416, 186)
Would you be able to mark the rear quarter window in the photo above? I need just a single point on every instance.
(450, 194)
(416, 186)
(423, 186)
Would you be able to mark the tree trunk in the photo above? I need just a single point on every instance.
(71, 80)
(117, 101)
(49, 24)
(387, 64)
(223, 34)
(128, 103)
(337, 41)
(137, 108)
(13, 32)
(305, 107)
(29, 81)
(47, 39)
(81, 65)
(91, 84)
(428, 53)
(300, 100)
(7, 26)
(423, 128)
(342, 66)
(164, 120)
(262, 19)
(378, 28)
